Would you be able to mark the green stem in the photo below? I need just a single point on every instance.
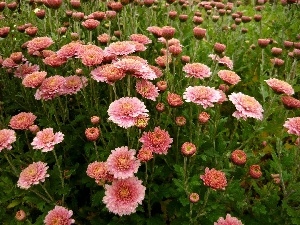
(60, 174)
(11, 164)
(40, 195)
(47, 193)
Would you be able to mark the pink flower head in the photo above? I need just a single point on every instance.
(229, 76)
(213, 178)
(159, 141)
(202, 95)
(33, 174)
(280, 86)
(46, 139)
(121, 48)
(90, 24)
(246, 106)
(124, 111)
(7, 137)
(54, 60)
(38, 44)
(97, 170)
(156, 31)
(60, 216)
(73, 84)
(147, 89)
(34, 79)
(229, 220)
(226, 61)
(197, 70)
(143, 39)
(122, 197)
(22, 121)
(24, 69)
(69, 50)
(91, 58)
(50, 88)
(107, 73)
(293, 125)
(9, 63)
(122, 163)
(145, 154)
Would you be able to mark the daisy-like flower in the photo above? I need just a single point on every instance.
(293, 125)
(229, 220)
(73, 84)
(91, 58)
(202, 95)
(197, 70)
(122, 163)
(122, 197)
(60, 216)
(69, 50)
(229, 77)
(46, 139)
(213, 178)
(32, 175)
(147, 89)
(34, 79)
(107, 73)
(159, 141)
(143, 39)
(54, 60)
(226, 61)
(24, 69)
(39, 43)
(121, 48)
(50, 88)
(280, 86)
(246, 106)
(22, 121)
(188, 149)
(145, 154)
(124, 111)
(7, 137)
(97, 170)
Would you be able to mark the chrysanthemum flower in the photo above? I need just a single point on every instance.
(108, 73)
(121, 48)
(163, 60)
(159, 141)
(24, 69)
(91, 58)
(202, 95)
(155, 30)
(22, 121)
(229, 220)
(122, 197)
(7, 137)
(147, 89)
(226, 61)
(143, 39)
(213, 178)
(54, 60)
(60, 216)
(124, 111)
(92, 133)
(46, 139)
(246, 106)
(90, 24)
(194, 197)
(122, 163)
(97, 170)
(33, 174)
(197, 70)
(238, 157)
(280, 86)
(145, 154)
(290, 102)
(293, 125)
(9, 63)
(73, 84)
(229, 77)
(34, 79)
(255, 171)
(188, 149)
(69, 50)
(20, 215)
(174, 100)
(39, 43)
(50, 88)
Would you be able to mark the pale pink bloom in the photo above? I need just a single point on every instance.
(121, 48)
(24, 69)
(134, 57)
(155, 30)
(69, 50)
(229, 220)
(197, 70)
(60, 216)
(147, 89)
(97, 170)
(293, 125)
(50, 88)
(157, 71)
(143, 39)
(7, 137)
(159, 141)
(107, 73)
(280, 86)
(34, 79)
(229, 76)
(213, 178)
(172, 41)
(90, 24)
(103, 38)
(73, 84)
(122, 197)
(90, 47)
(46, 139)
(201, 95)
(246, 106)
(223, 97)
(54, 60)
(226, 61)
(124, 111)
(91, 58)
(122, 163)
(32, 175)
(22, 121)
(39, 43)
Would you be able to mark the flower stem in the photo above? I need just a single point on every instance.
(60, 175)
(11, 165)
(44, 188)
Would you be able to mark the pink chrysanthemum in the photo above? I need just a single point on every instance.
(229, 76)
(143, 39)
(90, 24)
(46, 139)
(122, 197)
(34, 79)
(124, 111)
(107, 73)
(202, 95)
(24, 69)
(226, 61)
(229, 220)
(163, 60)
(122, 163)
(197, 70)
(145, 154)
(73, 84)
(246, 106)
(155, 30)
(54, 60)
(69, 50)
(9, 63)
(280, 86)
(59, 216)
(159, 141)
(147, 89)
(22, 121)
(121, 48)
(213, 178)
(97, 170)
(7, 137)
(91, 58)
(90, 47)
(50, 88)
(293, 125)
(39, 43)
(33, 174)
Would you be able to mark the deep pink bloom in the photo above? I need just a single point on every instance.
(226, 61)
(122, 197)
(24, 69)
(122, 163)
(246, 106)
(108, 73)
(124, 111)
(147, 89)
(280, 86)
(159, 141)
(229, 76)
(293, 125)
(59, 216)
(22, 121)
(145, 154)
(97, 170)
(34, 79)
(255, 171)
(121, 48)
(143, 39)
(50, 88)
(229, 220)
(7, 137)
(9, 63)
(202, 95)
(39, 43)
(213, 178)
(73, 84)
(197, 70)
(46, 139)
(33, 174)
(238, 157)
